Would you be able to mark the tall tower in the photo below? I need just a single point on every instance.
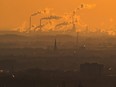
(73, 27)
(40, 24)
(77, 40)
(73, 22)
(55, 45)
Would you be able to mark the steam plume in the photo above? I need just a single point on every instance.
(51, 17)
(61, 24)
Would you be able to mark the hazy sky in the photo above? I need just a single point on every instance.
(14, 12)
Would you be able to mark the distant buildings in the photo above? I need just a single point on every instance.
(91, 69)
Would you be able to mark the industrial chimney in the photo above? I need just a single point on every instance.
(55, 45)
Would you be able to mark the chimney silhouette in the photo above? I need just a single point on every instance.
(40, 24)
(77, 40)
(55, 45)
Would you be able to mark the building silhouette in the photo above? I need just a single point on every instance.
(91, 69)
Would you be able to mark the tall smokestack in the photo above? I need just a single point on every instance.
(40, 24)
(77, 40)
(74, 27)
(30, 23)
(55, 45)
(73, 21)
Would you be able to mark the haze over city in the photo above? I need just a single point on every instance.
(57, 43)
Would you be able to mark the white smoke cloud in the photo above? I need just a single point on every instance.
(62, 24)
(51, 17)
(66, 20)
(23, 27)
(86, 6)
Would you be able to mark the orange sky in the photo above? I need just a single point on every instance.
(14, 12)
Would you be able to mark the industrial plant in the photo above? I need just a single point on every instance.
(72, 44)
